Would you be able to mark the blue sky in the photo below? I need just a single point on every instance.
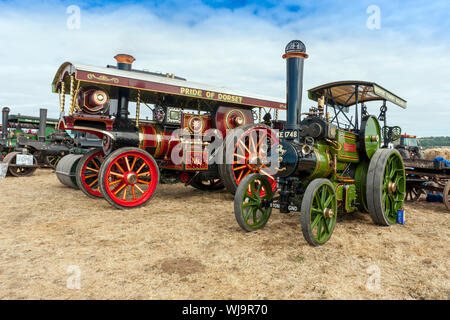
(237, 44)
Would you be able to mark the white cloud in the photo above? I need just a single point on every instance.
(226, 48)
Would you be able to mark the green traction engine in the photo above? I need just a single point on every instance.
(329, 162)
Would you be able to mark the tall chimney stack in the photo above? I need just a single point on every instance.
(295, 53)
(42, 124)
(5, 114)
(124, 62)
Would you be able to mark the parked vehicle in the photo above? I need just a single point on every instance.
(408, 146)
(190, 121)
(330, 162)
(28, 143)
(427, 177)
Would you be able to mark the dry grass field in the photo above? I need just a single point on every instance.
(186, 244)
(430, 154)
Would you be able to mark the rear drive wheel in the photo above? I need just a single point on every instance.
(246, 153)
(386, 186)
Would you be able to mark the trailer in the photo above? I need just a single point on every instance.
(427, 176)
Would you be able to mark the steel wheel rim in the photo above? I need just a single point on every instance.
(89, 174)
(246, 151)
(253, 211)
(131, 179)
(321, 222)
(19, 171)
(447, 195)
(394, 187)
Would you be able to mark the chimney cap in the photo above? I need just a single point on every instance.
(124, 58)
(295, 46)
(5, 109)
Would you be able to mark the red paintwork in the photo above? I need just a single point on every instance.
(190, 120)
(241, 168)
(221, 117)
(110, 177)
(95, 193)
(69, 123)
(173, 89)
(349, 147)
(184, 177)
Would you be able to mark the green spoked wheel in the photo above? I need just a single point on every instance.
(318, 212)
(386, 186)
(251, 202)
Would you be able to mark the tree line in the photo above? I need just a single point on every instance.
(430, 142)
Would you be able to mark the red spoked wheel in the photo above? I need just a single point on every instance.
(87, 173)
(250, 151)
(128, 178)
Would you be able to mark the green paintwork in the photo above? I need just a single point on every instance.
(393, 200)
(350, 198)
(339, 191)
(14, 133)
(322, 227)
(372, 130)
(347, 147)
(360, 182)
(323, 166)
(255, 215)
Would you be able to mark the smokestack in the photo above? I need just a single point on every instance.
(295, 53)
(124, 62)
(5, 114)
(42, 124)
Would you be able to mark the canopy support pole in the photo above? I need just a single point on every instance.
(138, 108)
